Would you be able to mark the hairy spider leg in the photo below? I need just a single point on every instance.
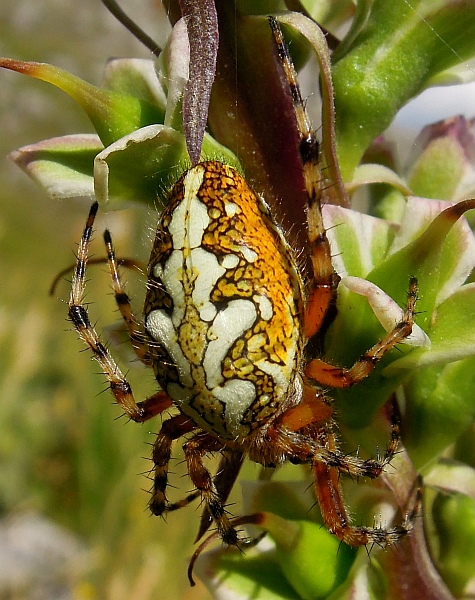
(128, 263)
(297, 428)
(206, 487)
(228, 470)
(328, 463)
(338, 377)
(171, 430)
(335, 514)
(134, 328)
(136, 411)
(300, 430)
(324, 280)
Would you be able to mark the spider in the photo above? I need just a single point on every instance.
(226, 320)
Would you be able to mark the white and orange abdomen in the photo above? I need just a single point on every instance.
(223, 307)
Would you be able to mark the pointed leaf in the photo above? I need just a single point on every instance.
(113, 115)
(386, 310)
(62, 166)
(458, 252)
(423, 258)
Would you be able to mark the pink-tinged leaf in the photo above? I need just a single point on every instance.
(458, 258)
(359, 242)
(202, 24)
(386, 310)
(443, 166)
(62, 166)
(113, 115)
(428, 258)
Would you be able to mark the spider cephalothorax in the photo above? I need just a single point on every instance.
(226, 320)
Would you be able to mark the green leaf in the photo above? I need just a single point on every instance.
(136, 166)
(63, 166)
(442, 164)
(231, 575)
(452, 334)
(113, 115)
(141, 166)
(401, 48)
(429, 244)
(439, 169)
(440, 406)
(136, 77)
(425, 257)
(375, 173)
(359, 242)
(297, 545)
(454, 517)
(452, 476)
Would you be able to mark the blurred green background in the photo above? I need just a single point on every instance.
(64, 453)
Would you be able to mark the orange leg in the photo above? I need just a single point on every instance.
(337, 377)
(300, 430)
(171, 430)
(325, 280)
(336, 519)
(194, 450)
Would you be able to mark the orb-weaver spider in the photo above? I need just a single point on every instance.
(226, 319)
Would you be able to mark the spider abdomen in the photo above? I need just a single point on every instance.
(223, 307)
